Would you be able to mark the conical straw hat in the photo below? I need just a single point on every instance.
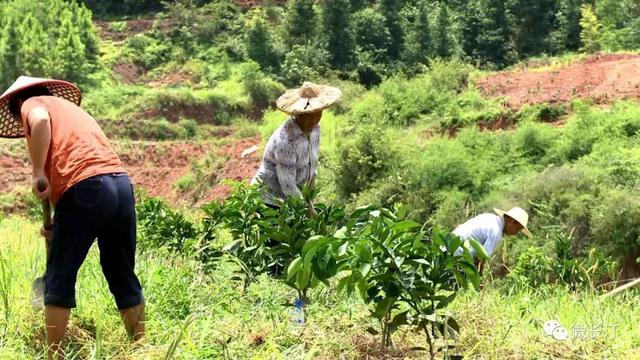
(10, 127)
(308, 98)
(519, 215)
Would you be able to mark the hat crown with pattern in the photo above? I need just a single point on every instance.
(10, 127)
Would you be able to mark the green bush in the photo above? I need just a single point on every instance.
(365, 155)
(262, 90)
(149, 52)
(616, 222)
(304, 63)
(160, 226)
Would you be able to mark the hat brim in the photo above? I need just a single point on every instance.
(293, 104)
(525, 230)
(10, 127)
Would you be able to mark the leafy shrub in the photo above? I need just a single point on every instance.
(304, 63)
(190, 128)
(406, 276)
(150, 52)
(262, 90)
(365, 156)
(573, 269)
(160, 226)
(616, 222)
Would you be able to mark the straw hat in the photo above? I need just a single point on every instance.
(519, 215)
(12, 128)
(308, 98)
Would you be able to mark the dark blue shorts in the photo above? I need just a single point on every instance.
(101, 207)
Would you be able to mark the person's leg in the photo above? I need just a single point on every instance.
(134, 319)
(78, 217)
(56, 319)
(117, 244)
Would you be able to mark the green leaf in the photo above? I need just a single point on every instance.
(342, 285)
(405, 225)
(342, 250)
(364, 269)
(362, 288)
(446, 301)
(313, 242)
(232, 247)
(420, 262)
(475, 280)
(341, 233)
(294, 267)
(384, 307)
(481, 252)
(453, 324)
(399, 319)
(468, 268)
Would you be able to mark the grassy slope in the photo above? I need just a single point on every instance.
(229, 324)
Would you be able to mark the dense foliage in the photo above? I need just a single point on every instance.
(51, 38)
(407, 275)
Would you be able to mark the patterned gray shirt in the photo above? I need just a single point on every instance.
(290, 161)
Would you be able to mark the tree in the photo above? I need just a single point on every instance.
(260, 46)
(494, 43)
(33, 47)
(442, 40)
(68, 60)
(371, 34)
(418, 45)
(390, 9)
(336, 24)
(301, 22)
(590, 34)
(533, 21)
(88, 36)
(566, 33)
(9, 51)
(471, 26)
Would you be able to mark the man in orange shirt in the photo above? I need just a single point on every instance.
(91, 192)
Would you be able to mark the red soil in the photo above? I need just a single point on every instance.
(155, 167)
(133, 27)
(129, 73)
(600, 77)
(236, 168)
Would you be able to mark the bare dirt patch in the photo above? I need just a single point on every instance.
(133, 27)
(236, 168)
(129, 73)
(155, 167)
(602, 78)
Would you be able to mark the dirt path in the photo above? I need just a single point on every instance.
(602, 78)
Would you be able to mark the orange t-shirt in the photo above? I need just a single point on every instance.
(79, 149)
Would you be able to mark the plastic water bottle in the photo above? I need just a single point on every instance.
(297, 313)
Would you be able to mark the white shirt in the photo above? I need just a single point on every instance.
(487, 229)
(290, 161)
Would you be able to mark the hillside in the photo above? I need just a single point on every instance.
(449, 110)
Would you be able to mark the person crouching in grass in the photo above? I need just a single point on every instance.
(91, 192)
(489, 229)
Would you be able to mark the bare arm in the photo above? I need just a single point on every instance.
(39, 124)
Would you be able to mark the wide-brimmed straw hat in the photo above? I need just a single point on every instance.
(10, 127)
(308, 98)
(519, 215)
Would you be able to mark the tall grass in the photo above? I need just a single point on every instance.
(197, 315)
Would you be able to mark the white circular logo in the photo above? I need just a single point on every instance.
(560, 333)
(549, 326)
